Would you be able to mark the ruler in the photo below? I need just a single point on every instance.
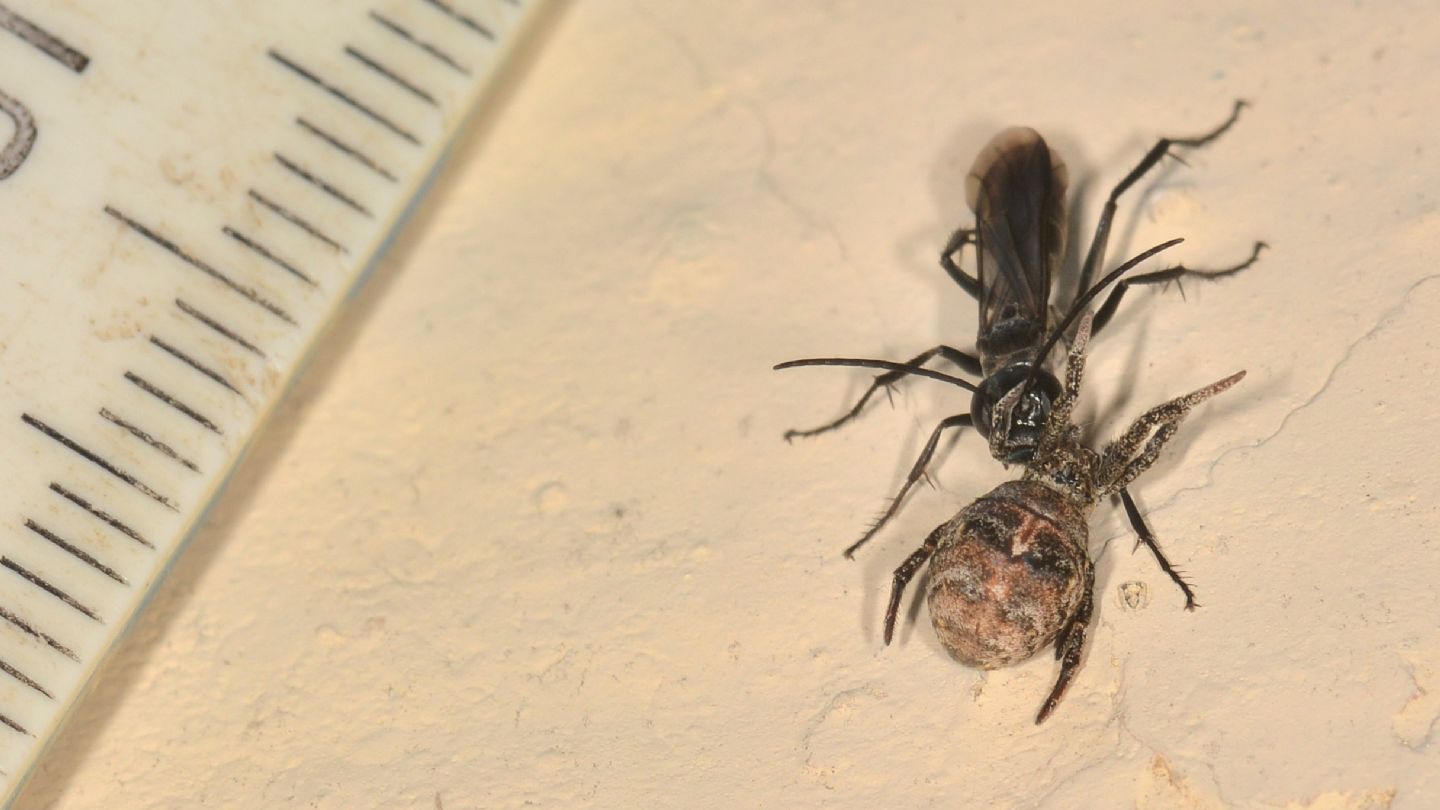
(188, 192)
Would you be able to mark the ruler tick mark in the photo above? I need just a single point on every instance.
(49, 44)
(73, 551)
(294, 219)
(12, 724)
(194, 364)
(346, 149)
(463, 19)
(309, 177)
(105, 517)
(344, 97)
(40, 583)
(25, 679)
(247, 292)
(165, 449)
(389, 73)
(74, 447)
(218, 328)
(405, 34)
(267, 254)
(154, 391)
(25, 628)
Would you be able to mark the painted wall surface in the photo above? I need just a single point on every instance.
(526, 532)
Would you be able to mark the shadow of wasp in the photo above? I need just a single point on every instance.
(1011, 573)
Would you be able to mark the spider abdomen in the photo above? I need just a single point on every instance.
(1008, 574)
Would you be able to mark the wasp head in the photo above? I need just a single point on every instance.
(1017, 409)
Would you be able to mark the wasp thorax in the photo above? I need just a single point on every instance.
(1008, 575)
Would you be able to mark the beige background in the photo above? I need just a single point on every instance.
(526, 533)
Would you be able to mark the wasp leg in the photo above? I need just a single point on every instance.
(1176, 273)
(957, 243)
(1070, 645)
(905, 572)
(918, 470)
(1142, 529)
(966, 363)
(1096, 257)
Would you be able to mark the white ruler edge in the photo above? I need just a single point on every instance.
(188, 193)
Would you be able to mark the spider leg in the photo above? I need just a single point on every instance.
(1070, 646)
(1120, 464)
(906, 572)
(1142, 529)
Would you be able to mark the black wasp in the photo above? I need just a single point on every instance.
(1017, 189)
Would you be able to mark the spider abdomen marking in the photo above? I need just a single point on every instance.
(1008, 574)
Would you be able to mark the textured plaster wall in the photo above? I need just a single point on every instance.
(526, 533)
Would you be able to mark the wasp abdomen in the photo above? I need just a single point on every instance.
(1008, 574)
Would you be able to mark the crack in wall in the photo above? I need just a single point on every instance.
(765, 177)
(841, 704)
(771, 185)
(1388, 317)
(681, 43)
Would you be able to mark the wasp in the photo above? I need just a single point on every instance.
(1017, 189)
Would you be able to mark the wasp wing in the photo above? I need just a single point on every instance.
(1017, 191)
